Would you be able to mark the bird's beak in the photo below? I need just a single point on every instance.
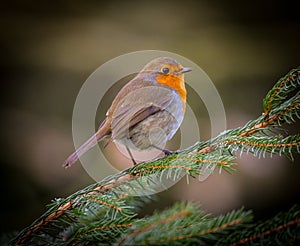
(185, 70)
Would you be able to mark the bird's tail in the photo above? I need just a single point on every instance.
(91, 142)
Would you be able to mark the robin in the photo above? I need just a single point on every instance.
(146, 112)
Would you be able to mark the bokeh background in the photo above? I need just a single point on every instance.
(48, 50)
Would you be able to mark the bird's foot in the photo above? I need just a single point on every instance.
(166, 151)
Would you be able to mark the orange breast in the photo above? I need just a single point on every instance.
(176, 83)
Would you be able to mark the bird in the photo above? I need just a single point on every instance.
(146, 112)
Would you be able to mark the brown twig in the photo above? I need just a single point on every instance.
(265, 233)
(291, 77)
(100, 229)
(172, 217)
(264, 145)
(105, 204)
(59, 212)
(215, 229)
(255, 128)
(202, 161)
(69, 205)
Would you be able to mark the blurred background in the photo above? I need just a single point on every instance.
(48, 50)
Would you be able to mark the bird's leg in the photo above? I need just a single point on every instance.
(131, 156)
(166, 151)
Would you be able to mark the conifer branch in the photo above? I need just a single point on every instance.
(282, 228)
(183, 223)
(105, 212)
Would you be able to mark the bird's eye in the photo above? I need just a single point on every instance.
(165, 70)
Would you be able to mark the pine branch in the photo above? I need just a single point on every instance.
(185, 224)
(259, 145)
(281, 89)
(282, 229)
(105, 212)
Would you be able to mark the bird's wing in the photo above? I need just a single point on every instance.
(137, 106)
